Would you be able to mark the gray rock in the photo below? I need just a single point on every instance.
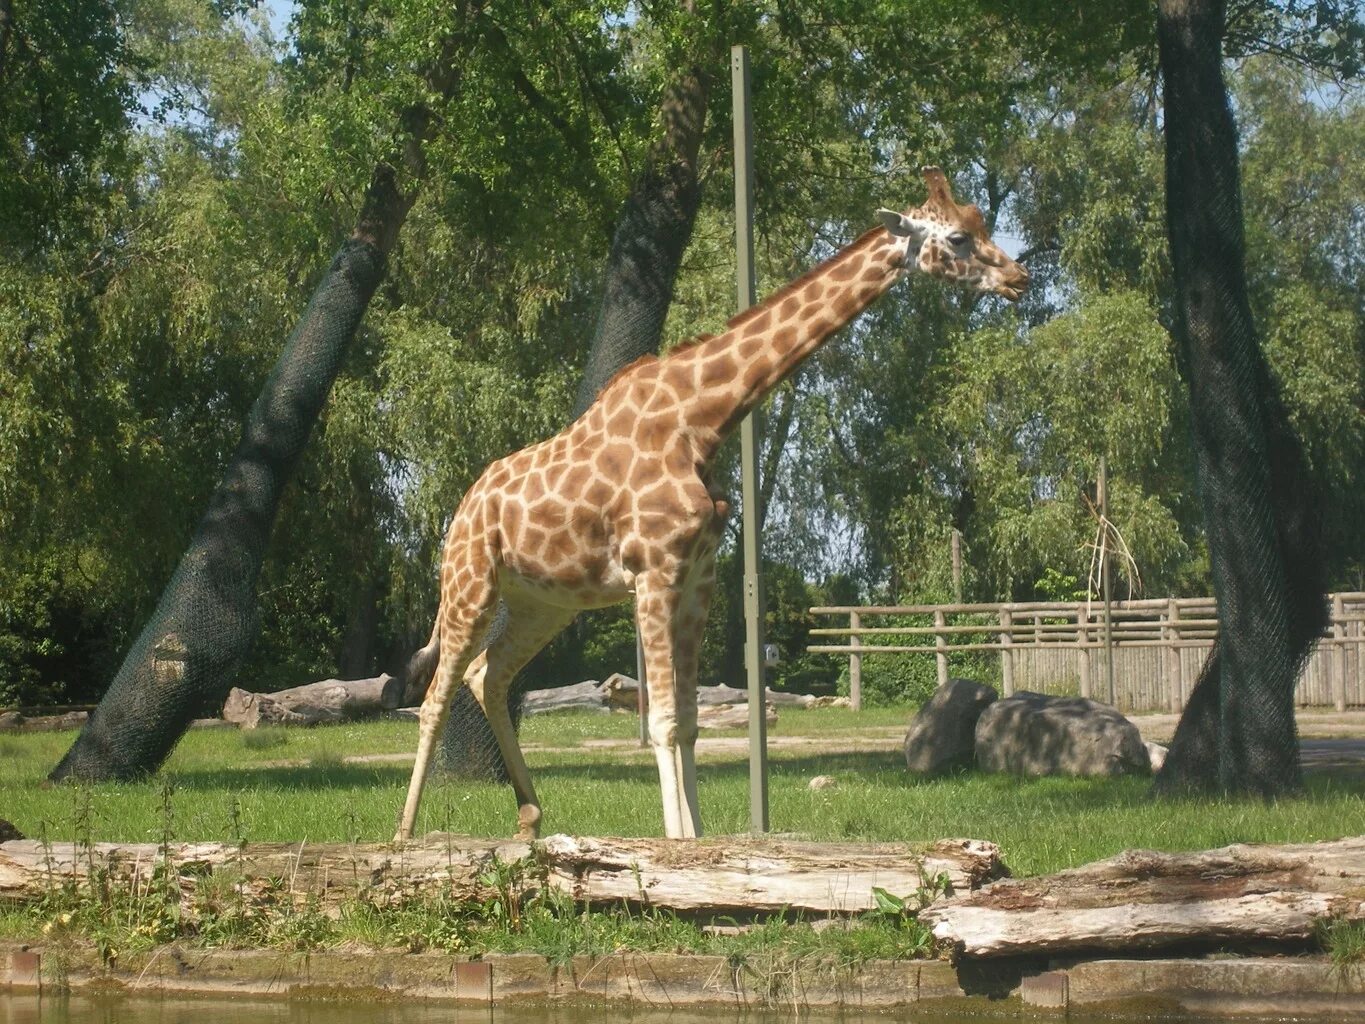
(941, 735)
(1034, 734)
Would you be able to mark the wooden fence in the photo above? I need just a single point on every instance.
(1154, 649)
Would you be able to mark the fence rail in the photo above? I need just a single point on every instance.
(1156, 646)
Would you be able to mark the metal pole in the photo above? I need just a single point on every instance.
(641, 695)
(957, 565)
(1106, 582)
(748, 439)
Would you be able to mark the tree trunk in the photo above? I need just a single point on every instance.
(1142, 900)
(652, 232)
(730, 875)
(182, 664)
(1237, 733)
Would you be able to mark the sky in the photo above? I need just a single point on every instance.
(278, 12)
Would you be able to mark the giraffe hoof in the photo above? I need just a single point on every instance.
(528, 823)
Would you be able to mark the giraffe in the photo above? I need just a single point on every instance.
(621, 502)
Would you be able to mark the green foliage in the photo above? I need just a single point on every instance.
(153, 262)
(69, 81)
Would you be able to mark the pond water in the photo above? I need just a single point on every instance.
(80, 1009)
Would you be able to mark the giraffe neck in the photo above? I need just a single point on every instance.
(734, 371)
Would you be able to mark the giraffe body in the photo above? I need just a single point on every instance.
(621, 502)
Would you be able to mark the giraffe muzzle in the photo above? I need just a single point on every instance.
(1015, 286)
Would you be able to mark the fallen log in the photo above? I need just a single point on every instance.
(586, 696)
(625, 695)
(331, 700)
(1141, 900)
(730, 716)
(728, 874)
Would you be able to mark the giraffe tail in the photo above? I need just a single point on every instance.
(421, 667)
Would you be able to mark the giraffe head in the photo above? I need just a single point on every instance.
(950, 241)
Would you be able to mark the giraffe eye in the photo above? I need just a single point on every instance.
(959, 238)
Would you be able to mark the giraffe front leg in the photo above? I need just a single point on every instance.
(657, 601)
(690, 624)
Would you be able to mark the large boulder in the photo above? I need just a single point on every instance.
(942, 733)
(1034, 734)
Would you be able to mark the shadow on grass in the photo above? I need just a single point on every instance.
(284, 777)
(871, 767)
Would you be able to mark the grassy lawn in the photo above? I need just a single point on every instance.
(301, 785)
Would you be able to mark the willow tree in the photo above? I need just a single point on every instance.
(1237, 733)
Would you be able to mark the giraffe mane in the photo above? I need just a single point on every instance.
(629, 368)
(862, 241)
(739, 320)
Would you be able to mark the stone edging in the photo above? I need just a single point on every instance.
(1301, 986)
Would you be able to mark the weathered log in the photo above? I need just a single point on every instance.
(731, 716)
(726, 874)
(594, 697)
(331, 700)
(587, 696)
(1141, 900)
(625, 695)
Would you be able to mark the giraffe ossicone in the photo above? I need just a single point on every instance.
(621, 503)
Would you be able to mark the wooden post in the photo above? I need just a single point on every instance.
(1338, 653)
(1175, 697)
(1357, 630)
(1083, 645)
(855, 662)
(1105, 582)
(1006, 656)
(941, 645)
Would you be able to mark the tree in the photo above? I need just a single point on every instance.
(184, 660)
(183, 663)
(1237, 733)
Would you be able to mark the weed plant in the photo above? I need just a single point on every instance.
(1344, 942)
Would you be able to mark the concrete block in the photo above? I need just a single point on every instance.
(1048, 990)
(522, 976)
(887, 983)
(938, 980)
(25, 969)
(474, 981)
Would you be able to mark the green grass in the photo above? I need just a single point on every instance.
(1345, 942)
(227, 785)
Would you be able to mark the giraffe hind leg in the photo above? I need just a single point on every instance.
(531, 624)
(463, 620)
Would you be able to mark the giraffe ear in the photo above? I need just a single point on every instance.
(896, 223)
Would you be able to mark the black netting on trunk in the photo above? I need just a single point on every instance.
(182, 664)
(1238, 732)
